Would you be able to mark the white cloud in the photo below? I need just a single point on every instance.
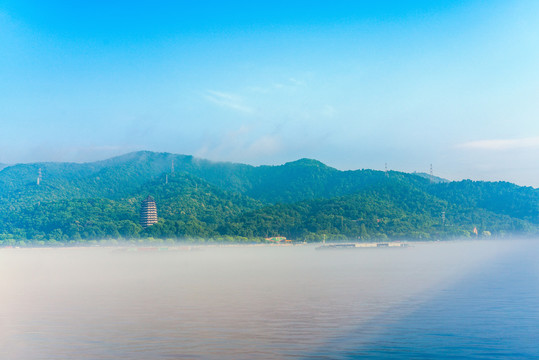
(501, 144)
(47, 151)
(296, 82)
(265, 145)
(241, 145)
(288, 85)
(228, 100)
(329, 111)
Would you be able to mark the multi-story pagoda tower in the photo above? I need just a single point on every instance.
(148, 212)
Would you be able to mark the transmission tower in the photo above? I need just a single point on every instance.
(39, 176)
(431, 174)
(387, 172)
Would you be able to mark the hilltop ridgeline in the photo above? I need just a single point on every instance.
(302, 200)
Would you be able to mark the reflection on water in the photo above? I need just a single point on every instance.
(221, 303)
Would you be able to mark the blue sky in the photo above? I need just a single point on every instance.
(355, 84)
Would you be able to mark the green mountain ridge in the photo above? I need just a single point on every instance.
(431, 178)
(303, 200)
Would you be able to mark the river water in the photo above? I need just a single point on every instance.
(431, 300)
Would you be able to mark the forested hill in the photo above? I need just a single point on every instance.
(197, 198)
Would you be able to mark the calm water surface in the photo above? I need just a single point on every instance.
(433, 300)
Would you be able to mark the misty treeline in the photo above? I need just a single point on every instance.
(199, 200)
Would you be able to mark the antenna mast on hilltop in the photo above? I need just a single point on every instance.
(39, 176)
(431, 174)
(387, 173)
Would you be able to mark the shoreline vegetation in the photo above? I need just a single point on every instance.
(152, 244)
(200, 201)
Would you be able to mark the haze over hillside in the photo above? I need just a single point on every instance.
(302, 200)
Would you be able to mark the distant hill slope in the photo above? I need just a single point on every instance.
(122, 176)
(191, 205)
(304, 199)
(413, 214)
(499, 197)
(431, 178)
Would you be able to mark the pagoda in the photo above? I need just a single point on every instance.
(148, 212)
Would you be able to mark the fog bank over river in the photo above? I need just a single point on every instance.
(220, 302)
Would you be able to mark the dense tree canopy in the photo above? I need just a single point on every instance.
(304, 200)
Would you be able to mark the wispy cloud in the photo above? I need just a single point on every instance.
(502, 144)
(228, 100)
(296, 82)
(241, 144)
(68, 153)
(329, 111)
(290, 84)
